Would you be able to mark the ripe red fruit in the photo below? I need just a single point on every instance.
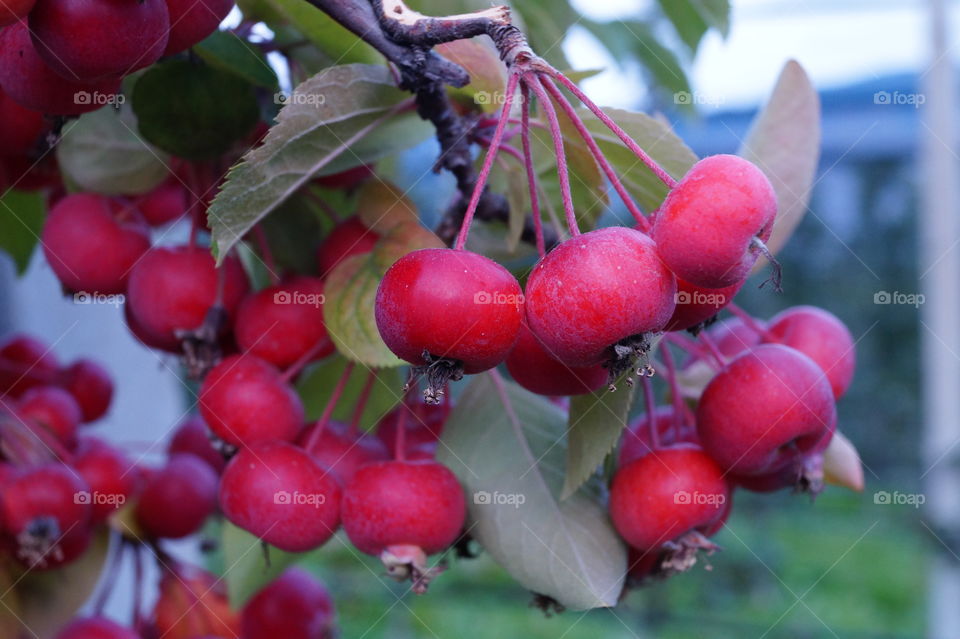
(193, 604)
(343, 452)
(447, 304)
(95, 628)
(25, 362)
(14, 10)
(92, 242)
(821, 336)
(281, 323)
(193, 20)
(277, 492)
(177, 498)
(91, 385)
(192, 437)
(92, 39)
(534, 368)
(110, 475)
(294, 606)
(423, 424)
(245, 401)
(636, 442)
(766, 407)
(696, 304)
(706, 229)
(350, 237)
(163, 204)
(346, 180)
(54, 409)
(600, 290)
(20, 128)
(172, 288)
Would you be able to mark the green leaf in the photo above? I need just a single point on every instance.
(488, 75)
(343, 117)
(21, 221)
(194, 111)
(225, 50)
(692, 18)
(103, 152)
(546, 25)
(506, 447)
(338, 44)
(293, 232)
(246, 569)
(316, 387)
(633, 40)
(509, 178)
(784, 141)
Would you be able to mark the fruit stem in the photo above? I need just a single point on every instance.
(613, 126)
(651, 404)
(266, 253)
(691, 347)
(138, 586)
(294, 369)
(751, 322)
(400, 440)
(528, 167)
(557, 135)
(679, 408)
(110, 577)
(598, 155)
(712, 348)
(328, 409)
(481, 182)
(362, 401)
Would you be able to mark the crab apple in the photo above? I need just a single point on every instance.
(171, 290)
(193, 20)
(12, 11)
(27, 79)
(594, 297)
(54, 409)
(163, 204)
(192, 437)
(293, 606)
(533, 367)
(821, 336)
(145, 337)
(192, 603)
(91, 385)
(92, 242)
(95, 628)
(636, 441)
(696, 304)
(346, 180)
(20, 128)
(177, 498)
(764, 408)
(422, 424)
(350, 237)
(244, 400)
(92, 39)
(111, 476)
(26, 172)
(451, 305)
(343, 451)
(25, 362)
(710, 229)
(277, 492)
(281, 323)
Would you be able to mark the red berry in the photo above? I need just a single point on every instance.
(95, 628)
(26, 78)
(12, 11)
(192, 437)
(91, 385)
(346, 180)
(110, 475)
(93, 242)
(193, 20)
(696, 304)
(399, 503)
(294, 606)
(91, 39)
(177, 499)
(423, 424)
(245, 401)
(706, 228)
(277, 492)
(350, 237)
(281, 323)
(533, 367)
(54, 409)
(25, 362)
(172, 288)
(343, 452)
(763, 409)
(20, 128)
(163, 204)
(822, 337)
(636, 442)
(598, 290)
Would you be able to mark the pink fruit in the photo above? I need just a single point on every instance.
(177, 499)
(91, 385)
(294, 606)
(534, 368)
(343, 452)
(193, 20)
(54, 409)
(350, 237)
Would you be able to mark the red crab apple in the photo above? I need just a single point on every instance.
(192, 437)
(14, 10)
(177, 498)
(533, 367)
(20, 128)
(91, 385)
(52, 408)
(294, 606)
(163, 204)
(350, 237)
(343, 451)
(423, 424)
(95, 628)
(636, 441)
(193, 20)
(696, 304)
(25, 362)
(111, 476)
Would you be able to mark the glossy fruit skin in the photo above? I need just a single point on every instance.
(276, 491)
(48, 491)
(294, 606)
(350, 237)
(399, 503)
(453, 304)
(193, 603)
(72, 35)
(281, 323)
(108, 472)
(244, 402)
(91, 385)
(52, 408)
(423, 424)
(704, 228)
(20, 128)
(191, 21)
(163, 204)
(768, 405)
(191, 437)
(95, 628)
(12, 11)
(660, 497)
(93, 242)
(27, 79)
(25, 362)
(172, 288)
(177, 498)
(533, 368)
(342, 452)
(822, 337)
(635, 441)
(696, 304)
(596, 289)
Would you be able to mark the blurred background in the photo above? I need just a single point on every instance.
(878, 248)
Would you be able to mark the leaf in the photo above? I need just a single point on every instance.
(292, 234)
(509, 178)
(692, 18)
(246, 570)
(339, 45)
(227, 51)
(784, 141)
(103, 152)
(341, 118)
(546, 25)
(383, 206)
(351, 290)
(317, 383)
(506, 447)
(488, 76)
(21, 222)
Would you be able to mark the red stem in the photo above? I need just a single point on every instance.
(362, 403)
(531, 172)
(675, 396)
(712, 347)
(328, 409)
(294, 369)
(266, 253)
(487, 163)
(750, 321)
(400, 440)
(651, 412)
(691, 347)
